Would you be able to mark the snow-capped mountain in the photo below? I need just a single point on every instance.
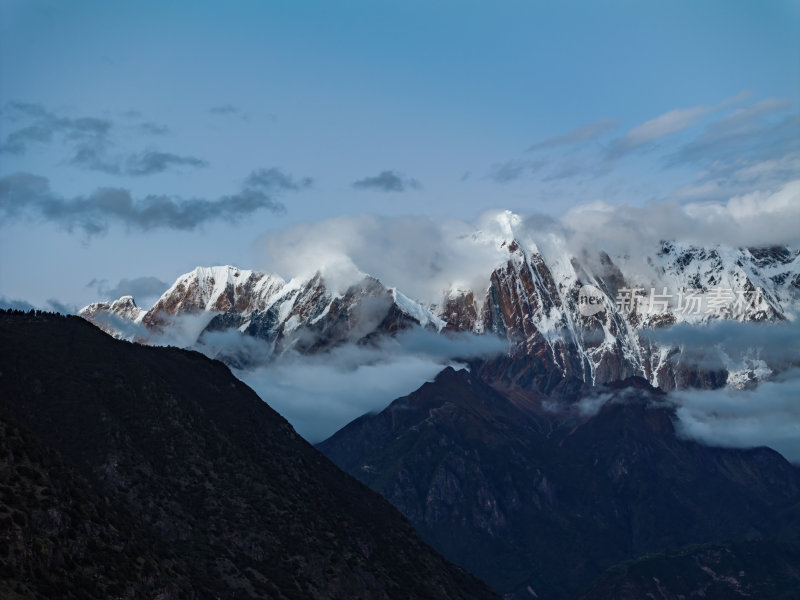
(301, 314)
(536, 298)
(534, 301)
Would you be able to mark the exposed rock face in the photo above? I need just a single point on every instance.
(534, 500)
(135, 472)
(550, 340)
(460, 312)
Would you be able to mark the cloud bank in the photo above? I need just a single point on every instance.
(762, 413)
(759, 218)
(768, 415)
(320, 394)
(732, 345)
(52, 304)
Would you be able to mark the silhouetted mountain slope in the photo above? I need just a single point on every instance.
(531, 496)
(210, 473)
(62, 537)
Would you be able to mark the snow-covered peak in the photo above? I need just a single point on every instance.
(218, 289)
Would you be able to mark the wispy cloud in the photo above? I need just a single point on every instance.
(46, 125)
(52, 305)
(94, 156)
(13, 304)
(153, 128)
(388, 181)
(735, 149)
(581, 134)
(151, 161)
(447, 255)
(224, 109)
(91, 142)
(653, 130)
(754, 148)
(578, 166)
(276, 180)
(763, 129)
(27, 194)
(138, 287)
(512, 170)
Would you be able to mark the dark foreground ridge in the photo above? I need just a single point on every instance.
(132, 472)
(542, 499)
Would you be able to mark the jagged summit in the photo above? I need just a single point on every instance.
(217, 289)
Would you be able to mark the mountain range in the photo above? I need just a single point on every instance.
(532, 300)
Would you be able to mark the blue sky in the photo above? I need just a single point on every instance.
(142, 139)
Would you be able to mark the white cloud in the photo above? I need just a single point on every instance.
(760, 218)
(419, 256)
(319, 398)
(768, 415)
(319, 394)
